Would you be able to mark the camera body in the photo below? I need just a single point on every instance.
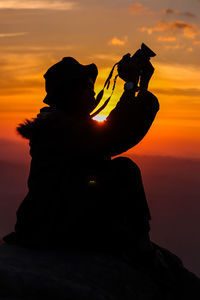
(135, 68)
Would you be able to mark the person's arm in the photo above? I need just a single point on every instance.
(127, 124)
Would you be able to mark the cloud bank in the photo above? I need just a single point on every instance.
(38, 4)
(2, 35)
(188, 30)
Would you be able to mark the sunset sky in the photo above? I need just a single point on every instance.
(36, 34)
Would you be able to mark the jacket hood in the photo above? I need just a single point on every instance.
(31, 128)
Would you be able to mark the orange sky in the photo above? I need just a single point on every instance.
(36, 34)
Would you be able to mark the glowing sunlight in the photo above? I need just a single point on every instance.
(100, 118)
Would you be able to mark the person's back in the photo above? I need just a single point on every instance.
(75, 188)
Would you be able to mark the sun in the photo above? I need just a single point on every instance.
(100, 118)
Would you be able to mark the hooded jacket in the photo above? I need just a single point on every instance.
(66, 154)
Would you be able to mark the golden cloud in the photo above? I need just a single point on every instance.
(108, 57)
(138, 8)
(162, 26)
(188, 30)
(2, 35)
(37, 4)
(196, 43)
(173, 47)
(118, 42)
(20, 76)
(167, 38)
(35, 49)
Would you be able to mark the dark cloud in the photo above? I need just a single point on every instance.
(178, 92)
(21, 71)
(16, 86)
(189, 14)
(181, 25)
(170, 11)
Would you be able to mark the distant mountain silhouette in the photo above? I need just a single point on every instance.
(14, 151)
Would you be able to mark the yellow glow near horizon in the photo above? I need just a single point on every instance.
(175, 129)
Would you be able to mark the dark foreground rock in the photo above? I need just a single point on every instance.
(39, 274)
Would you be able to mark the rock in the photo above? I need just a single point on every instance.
(60, 274)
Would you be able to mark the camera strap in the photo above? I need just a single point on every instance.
(100, 94)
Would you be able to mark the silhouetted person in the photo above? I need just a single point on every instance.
(78, 196)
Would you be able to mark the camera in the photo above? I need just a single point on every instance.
(137, 67)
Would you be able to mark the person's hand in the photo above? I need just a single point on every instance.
(147, 72)
(129, 70)
(136, 69)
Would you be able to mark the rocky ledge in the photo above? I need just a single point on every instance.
(73, 275)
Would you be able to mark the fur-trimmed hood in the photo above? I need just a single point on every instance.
(44, 119)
